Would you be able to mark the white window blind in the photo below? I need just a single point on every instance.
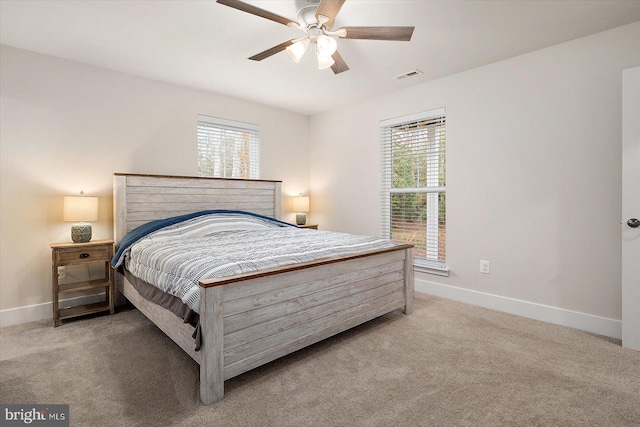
(413, 184)
(228, 149)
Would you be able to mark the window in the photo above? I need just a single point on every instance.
(228, 149)
(413, 186)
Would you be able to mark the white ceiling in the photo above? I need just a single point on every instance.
(205, 45)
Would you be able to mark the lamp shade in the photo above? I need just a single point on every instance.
(325, 61)
(80, 209)
(297, 50)
(301, 204)
(325, 45)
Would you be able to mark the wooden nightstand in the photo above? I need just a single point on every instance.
(64, 254)
(313, 226)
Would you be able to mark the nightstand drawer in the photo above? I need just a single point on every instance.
(81, 255)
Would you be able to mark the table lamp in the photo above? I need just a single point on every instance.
(81, 210)
(301, 206)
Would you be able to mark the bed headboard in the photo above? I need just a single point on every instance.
(138, 199)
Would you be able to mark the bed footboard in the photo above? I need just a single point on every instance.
(260, 317)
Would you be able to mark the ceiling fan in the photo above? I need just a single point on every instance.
(316, 20)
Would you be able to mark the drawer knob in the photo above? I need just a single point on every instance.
(84, 255)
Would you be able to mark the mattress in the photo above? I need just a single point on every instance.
(176, 256)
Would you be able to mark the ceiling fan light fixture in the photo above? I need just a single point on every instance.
(297, 50)
(326, 45)
(317, 19)
(324, 61)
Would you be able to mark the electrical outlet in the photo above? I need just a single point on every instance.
(62, 272)
(485, 266)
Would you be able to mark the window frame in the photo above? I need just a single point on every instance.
(387, 189)
(220, 125)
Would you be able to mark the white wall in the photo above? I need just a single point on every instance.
(67, 127)
(533, 172)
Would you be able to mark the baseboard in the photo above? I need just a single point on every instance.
(31, 313)
(546, 313)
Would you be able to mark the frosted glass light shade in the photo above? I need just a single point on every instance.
(325, 45)
(325, 62)
(80, 209)
(301, 204)
(297, 50)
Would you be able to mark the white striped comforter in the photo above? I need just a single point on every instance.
(177, 257)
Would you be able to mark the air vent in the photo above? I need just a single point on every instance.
(409, 74)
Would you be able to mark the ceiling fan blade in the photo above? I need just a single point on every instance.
(276, 49)
(246, 7)
(330, 9)
(339, 66)
(379, 33)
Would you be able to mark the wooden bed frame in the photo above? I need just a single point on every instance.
(252, 319)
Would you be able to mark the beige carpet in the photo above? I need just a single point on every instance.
(448, 364)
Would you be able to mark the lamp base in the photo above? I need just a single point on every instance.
(81, 233)
(301, 219)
